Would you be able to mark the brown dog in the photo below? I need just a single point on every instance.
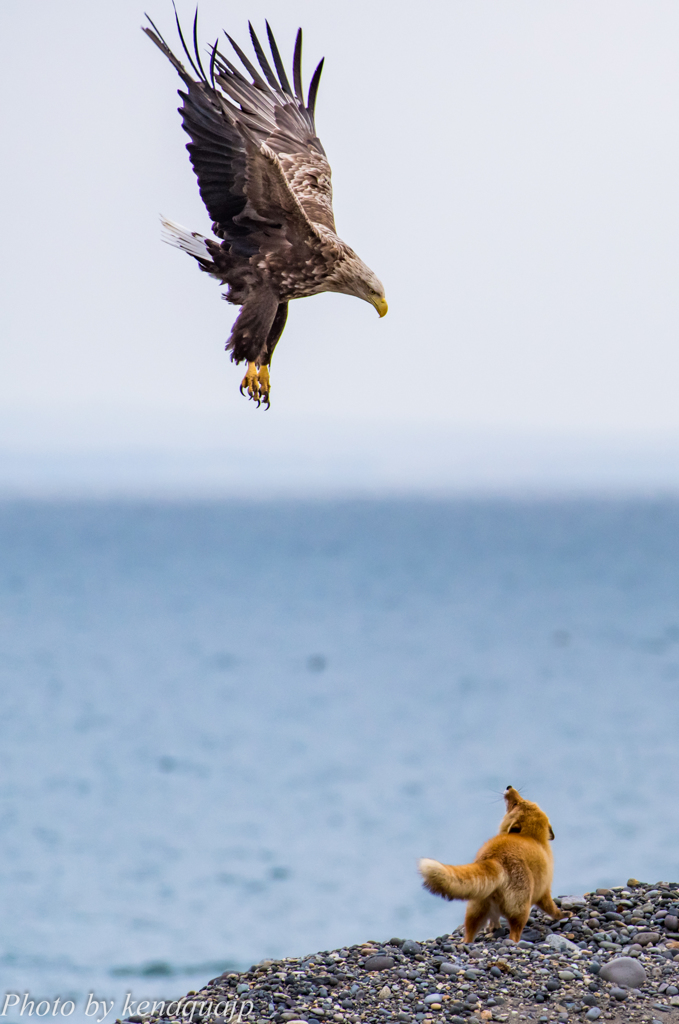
(511, 872)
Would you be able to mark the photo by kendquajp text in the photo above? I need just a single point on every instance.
(17, 1004)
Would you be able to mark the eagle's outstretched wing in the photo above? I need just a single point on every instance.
(232, 122)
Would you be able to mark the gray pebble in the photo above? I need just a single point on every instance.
(619, 993)
(448, 968)
(593, 1014)
(573, 902)
(561, 943)
(624, 970)
(410, 946)
(379, 963)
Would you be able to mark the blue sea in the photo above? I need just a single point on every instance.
(230, 729)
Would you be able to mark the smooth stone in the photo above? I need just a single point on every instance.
(433, 998)
(403, 1016)
(646, 938)
(242, 988)
(624, 970)
(448, 968)
(410, 946)
(561, 943)
(593, 1014)
(573, 902)
(566, 975)
(379, 963)
(671, 923)
(619, 993)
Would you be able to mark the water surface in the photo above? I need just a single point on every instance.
(229, 730)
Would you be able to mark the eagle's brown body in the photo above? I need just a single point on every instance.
(266, 182)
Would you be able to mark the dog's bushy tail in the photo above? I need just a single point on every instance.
(462, 881)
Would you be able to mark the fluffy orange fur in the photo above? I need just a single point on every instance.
(510, 873)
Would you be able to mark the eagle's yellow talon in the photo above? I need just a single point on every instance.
(264, 384)
(257, 383)
(251, 382)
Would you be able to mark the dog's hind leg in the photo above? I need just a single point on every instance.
(549, 906)
(516, 923)
(478, 912)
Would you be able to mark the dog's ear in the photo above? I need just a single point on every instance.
(515, 828)
(551, 832)
(512, 798)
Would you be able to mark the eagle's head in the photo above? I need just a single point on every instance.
(353, 277)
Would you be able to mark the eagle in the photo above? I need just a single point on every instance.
(266, 183)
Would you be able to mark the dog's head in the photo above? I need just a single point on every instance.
(525, 818)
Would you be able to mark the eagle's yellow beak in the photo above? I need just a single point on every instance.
(381, 306)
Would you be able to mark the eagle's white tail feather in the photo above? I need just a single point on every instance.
(190, 241)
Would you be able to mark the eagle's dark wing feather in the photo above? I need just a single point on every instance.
(285, 122)
(217, 109)
(216, 148)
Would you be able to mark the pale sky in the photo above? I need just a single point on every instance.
(509, 169)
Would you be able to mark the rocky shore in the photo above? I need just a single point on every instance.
(615, 957)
